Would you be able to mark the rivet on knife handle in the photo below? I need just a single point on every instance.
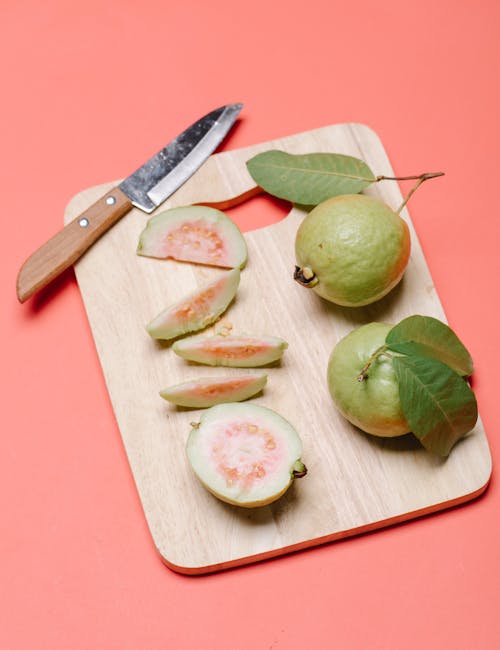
(69, 244)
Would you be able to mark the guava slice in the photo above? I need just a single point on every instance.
(194, 233)
(197, 310)
(202, 393)
(245, 454)
(234, 351)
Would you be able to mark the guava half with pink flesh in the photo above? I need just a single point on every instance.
(208, 391)
(194, 233)
(245, 454)
(198, 310)
(234, 351)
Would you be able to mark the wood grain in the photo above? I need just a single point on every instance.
(355, 482)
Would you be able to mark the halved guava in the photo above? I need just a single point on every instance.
(194, 233)
(235, 351)
(197, 310)
(202, 393)
(244, 454)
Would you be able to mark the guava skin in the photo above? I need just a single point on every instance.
(197, 310)
(357, 248)
(232, 351)
(373, 404)
(194, 233)
(245, 454)
(208, 391)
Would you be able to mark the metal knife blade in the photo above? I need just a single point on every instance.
(165, 172)
(145, 189)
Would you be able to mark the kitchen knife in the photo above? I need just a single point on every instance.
(145, 189)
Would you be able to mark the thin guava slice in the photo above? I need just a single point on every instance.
(208, 391)
(198, 310)
(234, 351)
(245, 454)
(194, 233)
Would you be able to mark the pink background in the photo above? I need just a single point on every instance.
(92, 88)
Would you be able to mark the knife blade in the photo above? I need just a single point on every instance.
(146, 189)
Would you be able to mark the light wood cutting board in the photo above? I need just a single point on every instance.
(356, 482)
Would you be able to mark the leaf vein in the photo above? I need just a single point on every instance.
(318, 171)
(433, 400)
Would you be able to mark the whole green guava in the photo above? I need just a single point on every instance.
(372, 404)
(352, 249)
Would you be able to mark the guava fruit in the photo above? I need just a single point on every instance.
(235, 351)
(373, 405)
(197, 310)
(194, 233)
(202, 393)
(351, 249)
(245, 454)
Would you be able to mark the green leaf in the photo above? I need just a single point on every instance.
(309, 179)
(428, 337)
(438, 404)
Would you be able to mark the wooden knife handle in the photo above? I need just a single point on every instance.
(69, 244)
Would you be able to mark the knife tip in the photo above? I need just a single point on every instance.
(235, 107)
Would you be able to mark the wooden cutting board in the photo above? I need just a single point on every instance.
(356, 482)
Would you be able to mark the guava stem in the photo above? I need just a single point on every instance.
(299, 469)
(364, 371)
(305, 276)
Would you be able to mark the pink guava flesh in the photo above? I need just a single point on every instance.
(245, 454)
(202, 393)
(197, 310)
(194, 234)
(263, 454)
(235, 351)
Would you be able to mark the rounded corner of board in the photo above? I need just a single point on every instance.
(366, 131)
(183, 568)
(485, 482)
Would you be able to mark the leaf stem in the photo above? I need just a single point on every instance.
(423, 178)
(420, 178)
(409, 178)
(364, 371)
